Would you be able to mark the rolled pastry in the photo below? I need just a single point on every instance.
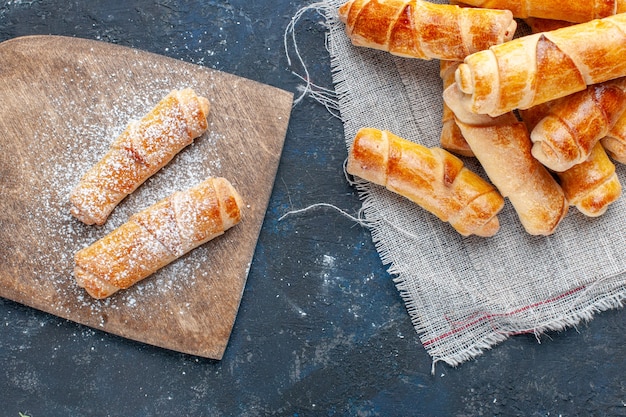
(157, 236)
(571, 10)
(544, 66)
(538, 24)
(139, 152)
(451, 138)
(532, 116)
(592, 185)
(502, 146)
(614, 142)
(419, 29)
(433, 178)
(573, 125)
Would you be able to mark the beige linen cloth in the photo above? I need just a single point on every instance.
(465, 295)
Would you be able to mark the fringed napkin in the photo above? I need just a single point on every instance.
(465, 295)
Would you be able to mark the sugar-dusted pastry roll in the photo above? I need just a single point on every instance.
(592, 185)
(571, 10)
(433, 178)
(419, 29)
(157, 236)
(502, 146)
(143, 148)
(572, 125)
(544, 66)
(450, 137)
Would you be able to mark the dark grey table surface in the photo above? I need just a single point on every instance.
(321, 329)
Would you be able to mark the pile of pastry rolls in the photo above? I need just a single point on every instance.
(544, 114)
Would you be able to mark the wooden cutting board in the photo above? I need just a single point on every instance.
(62, 102)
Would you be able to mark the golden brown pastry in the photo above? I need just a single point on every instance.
(614, 142)
(573, 125)
(419, 29)
(592, 185)
(433, 178)
(157, 236)
(502, 146)
(538, 24)
(532, 116)
(451, 138)
(571, 10)
(139, 152)
(541, 67)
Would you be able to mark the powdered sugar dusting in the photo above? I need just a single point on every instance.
(140, 151)
(100, 117)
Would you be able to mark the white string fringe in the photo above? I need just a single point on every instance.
(358, 219)
(348, 177)
(325, 96)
